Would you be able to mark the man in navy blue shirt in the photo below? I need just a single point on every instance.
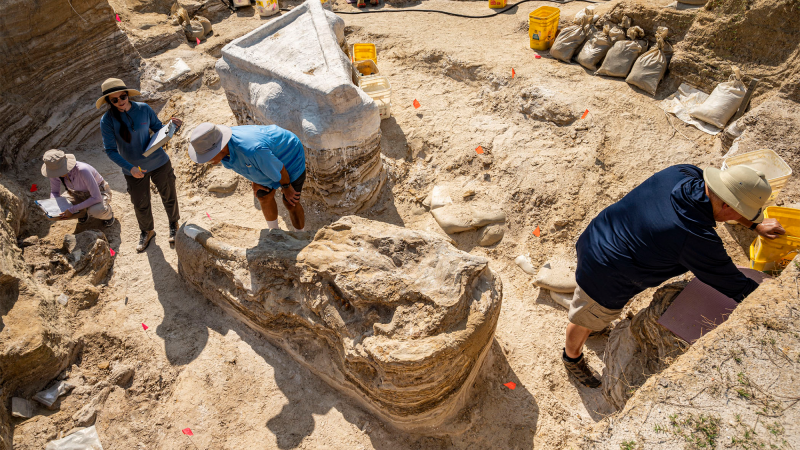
(661, 229)
(269, 156)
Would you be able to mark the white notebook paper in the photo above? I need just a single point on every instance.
(160, 138)
(53, 207)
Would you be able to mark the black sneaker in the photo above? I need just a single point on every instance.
(107, 223)
(173, 230)
(83, 219)
(144, 240)
(581, 371)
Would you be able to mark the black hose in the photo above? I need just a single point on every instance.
(450, 13)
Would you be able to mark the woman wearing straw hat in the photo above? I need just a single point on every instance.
(126, 133)
(85, 187)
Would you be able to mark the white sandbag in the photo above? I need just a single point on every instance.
(649, 68)
(524, 263)
(49, 396)
(623, 54)
(595, 49)
(571, 37)
(556, 275)
(723, 102)
(616, 34)
(85, 439)
(561, 298)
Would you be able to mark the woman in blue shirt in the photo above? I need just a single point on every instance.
(126, 130)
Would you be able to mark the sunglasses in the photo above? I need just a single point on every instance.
(120, 98)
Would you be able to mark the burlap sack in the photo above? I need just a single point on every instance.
(623, 54)
(723, 102)
(558, 275)
(648, 70)
(573, 36)
(616, 34)
(595, 49)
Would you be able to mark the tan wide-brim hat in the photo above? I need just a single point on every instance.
(742, 188)
(112, 85)
(207, 140)
(57, 163)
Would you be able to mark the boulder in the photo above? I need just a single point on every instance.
(291, 72)
(491, 234)
(396, 318)
(90, 257)
(464, 215)
(639, 347)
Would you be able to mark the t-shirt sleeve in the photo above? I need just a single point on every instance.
(155, 122)
(709, 262)
(268, 163)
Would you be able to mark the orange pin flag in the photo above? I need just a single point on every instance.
(117, 17)
(416, 104)
(513, 73)
(111, 250)
(209, 215)
(479, 150)
(511, 385)
(537, 232)
(585, 113)
(145, 327)
(198, 41)
(187, 431)
(537, 56)
(34, 188)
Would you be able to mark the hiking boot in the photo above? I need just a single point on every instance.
(108, 222)
(144, 240)
(361, 4)
(173, 230)
(581, 371)
(83, 219)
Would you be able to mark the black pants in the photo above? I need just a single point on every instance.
(139, 189)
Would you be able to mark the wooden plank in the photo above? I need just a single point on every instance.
(746, 100)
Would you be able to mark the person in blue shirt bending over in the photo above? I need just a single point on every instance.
(126, 130)
(662, 229)
(267, 155)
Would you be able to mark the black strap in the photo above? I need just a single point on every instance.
(65, 184)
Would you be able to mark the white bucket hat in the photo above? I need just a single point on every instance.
(207, 140)
(742, 188)
(57, 163)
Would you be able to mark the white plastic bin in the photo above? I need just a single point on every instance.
(767, 161)
(378, 88)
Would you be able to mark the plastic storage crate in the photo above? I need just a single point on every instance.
(379, 89)
(361, 52)
(767, 161)
(765, 253)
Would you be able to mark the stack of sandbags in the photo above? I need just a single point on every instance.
(556, 275)
(723, 102)
(623, 54)
(595, 48)
(650, 67)
(571, 37)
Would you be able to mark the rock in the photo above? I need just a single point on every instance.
(524, 263)
(640, 347)
(95, 259)
(561, 298)
(459, 217)
(82, 295)
(291, 72)
(88, 414)
(21, 407)
(222, 181)
(29, 241)
(396, 318)
(69, 244)
(542, 104)
(557, 274)
(491, 234)
(103, 365)
(62, 109)
(121, 375)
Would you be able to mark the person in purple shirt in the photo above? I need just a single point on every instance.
(84, 187)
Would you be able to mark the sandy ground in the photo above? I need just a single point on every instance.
(198, 368)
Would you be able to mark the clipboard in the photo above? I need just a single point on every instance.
(160, 138)
(54, 207)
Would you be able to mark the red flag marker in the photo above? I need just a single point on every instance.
(585, 113)
(117, 16)
(187, 431)
(34, 188)
(145, 327)
(537, 232)
(479, 150)
(111, 250)
(209, 215)
(511, 385)
(537, 56)
(198, 41)
(416, 104)
(513, 73)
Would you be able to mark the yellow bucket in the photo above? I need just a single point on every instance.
(363, 52)
(543, 25)
(497, 4)
(764, 252)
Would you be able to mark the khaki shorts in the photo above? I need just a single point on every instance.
(588, 313)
